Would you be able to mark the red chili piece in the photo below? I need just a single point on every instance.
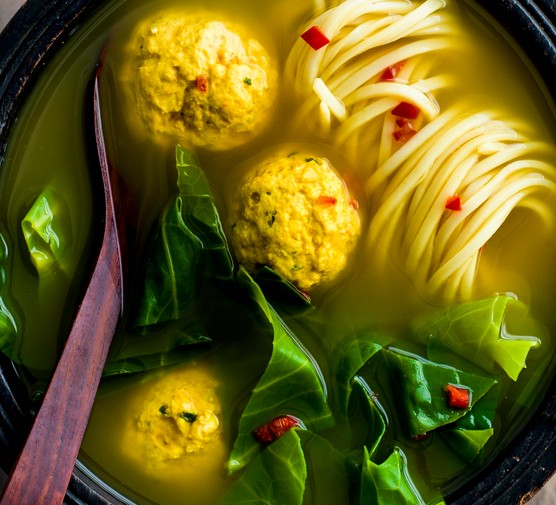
(391, 71)
(406, 110)
(201, 83)
(419, 437)
(263, 435)
(305, 295)
(267, 433)
(315, 37)
(404, 130)
(457, 397)
(326, 200)
(453, 203)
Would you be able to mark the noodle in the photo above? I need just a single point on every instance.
(441, 247)
(366, 37)
(410, 166)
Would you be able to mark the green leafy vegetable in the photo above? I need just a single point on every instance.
(352, 356)
(375, 416)
(291, 384)
(171, 273)
(468, 435)
(8, 321)
(131, 354)
(330, 474)
(467, 444)
(186, 243)
(418, 386)
(281, 293)
(46, 232)
(387, 483)
(477, 332)
(190, 417)
(201, 215)
(276, 475)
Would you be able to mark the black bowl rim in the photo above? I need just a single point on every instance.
(28, 42)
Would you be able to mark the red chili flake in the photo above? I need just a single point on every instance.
(326, 200)
(391, 71)
(419, 437)
(315, 37)
(267, 433)
(354, 203)
(201, 83)
(453, 203)
(304, 294)
(404, 131)
(458, 397)
(406, 110)
(263, 435)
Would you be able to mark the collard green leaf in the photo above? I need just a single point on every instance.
(201, 215)
(330, 474)
(276, 475)
(171, 272)
(511, 353)
(387, 483)
(419, 389)
(481, 416)
(373, 412)
(281, 293)
(352, 356)
(46, 231)
(476, 331)
(186, 243)
(467, 444)
(291, 384)
(131, 354)
(468, 435)
(9, 322)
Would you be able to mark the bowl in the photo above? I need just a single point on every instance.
(32, 38)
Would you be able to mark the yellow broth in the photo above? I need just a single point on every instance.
(47, 147)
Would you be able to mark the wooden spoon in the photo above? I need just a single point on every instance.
(44, 467)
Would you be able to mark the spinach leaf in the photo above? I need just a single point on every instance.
(171, 273)
(419, 390)
(387, 483)
(201, 215)
(276, 475)
(9, 322)
(477, 332)
(291, 384)
(46, 231)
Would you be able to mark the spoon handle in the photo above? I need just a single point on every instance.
(43, 470)
(44, 467)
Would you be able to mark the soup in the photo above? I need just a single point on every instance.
(343, 377)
